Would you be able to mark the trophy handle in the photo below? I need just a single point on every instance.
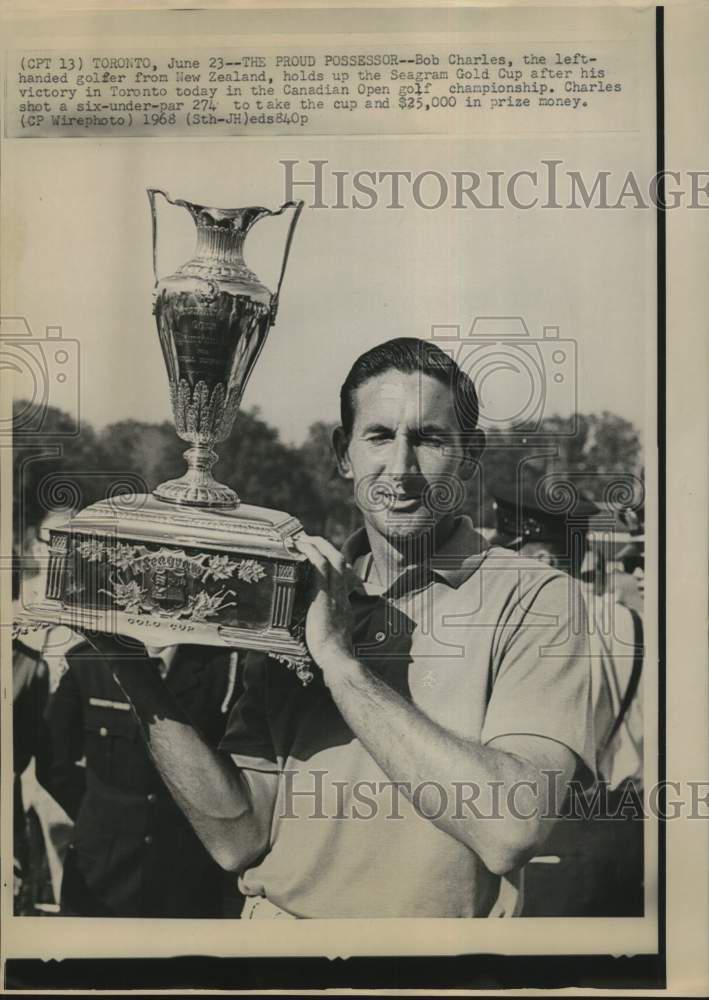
(298, 206)
(151, 195)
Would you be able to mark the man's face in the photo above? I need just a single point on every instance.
(540, 551)
(35, 551)
(406, 456)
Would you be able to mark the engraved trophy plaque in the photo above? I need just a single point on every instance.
(190, 562)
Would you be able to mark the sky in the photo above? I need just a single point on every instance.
(78, 228)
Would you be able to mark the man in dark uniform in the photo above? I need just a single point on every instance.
(134, 854)
(30, 689)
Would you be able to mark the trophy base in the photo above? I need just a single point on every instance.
(164, 573)
(186, 491)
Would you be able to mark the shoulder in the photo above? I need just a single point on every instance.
(520, 575)
(82, 654)
(28, 668)
(515, 590)
(87, 667)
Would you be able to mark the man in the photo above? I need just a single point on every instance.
(632, 559)
(133, 854)
(598, 867)
(415, 769)
(30, 688)
(38, 661)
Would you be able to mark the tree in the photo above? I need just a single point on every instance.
(615, 444)
(336, 515)
(144, 454)
(264, 471)
(603, 447)
(53, 467)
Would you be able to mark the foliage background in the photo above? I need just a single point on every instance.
(53, 471)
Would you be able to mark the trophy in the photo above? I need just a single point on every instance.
(190, 562)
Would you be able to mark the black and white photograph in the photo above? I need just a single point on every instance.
(335, 462)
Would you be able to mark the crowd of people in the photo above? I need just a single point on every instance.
(155, 786)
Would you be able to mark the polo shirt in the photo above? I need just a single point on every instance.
(484, 643)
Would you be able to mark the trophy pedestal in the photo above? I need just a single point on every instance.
(164, 573)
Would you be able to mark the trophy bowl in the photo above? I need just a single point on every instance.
(190, 562)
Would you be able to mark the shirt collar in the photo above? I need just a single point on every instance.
(454, 562)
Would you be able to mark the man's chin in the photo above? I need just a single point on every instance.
(399, 525)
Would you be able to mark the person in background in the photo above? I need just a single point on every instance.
(632, 558)
(133, 853)
(589, 867)
(30, 689)
(42, 828)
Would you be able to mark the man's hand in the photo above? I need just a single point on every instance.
(329, 623)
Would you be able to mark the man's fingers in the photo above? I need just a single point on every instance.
(321, 568)
(318, 549)
(331, 568)
(313, 554)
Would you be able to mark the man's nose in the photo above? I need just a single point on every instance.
(403, 460)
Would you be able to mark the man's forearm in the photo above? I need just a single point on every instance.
(412, 749)
(211, 791)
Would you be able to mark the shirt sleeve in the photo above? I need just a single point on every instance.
(541, 683)
(248, 736)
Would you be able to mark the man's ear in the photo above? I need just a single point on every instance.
(473, 448)
(340, 444)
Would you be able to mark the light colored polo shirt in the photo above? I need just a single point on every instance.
(486, 644)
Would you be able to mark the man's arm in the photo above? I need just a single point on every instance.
(411, 748)
(229, 808)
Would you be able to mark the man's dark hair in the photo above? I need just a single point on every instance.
(411, 357)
